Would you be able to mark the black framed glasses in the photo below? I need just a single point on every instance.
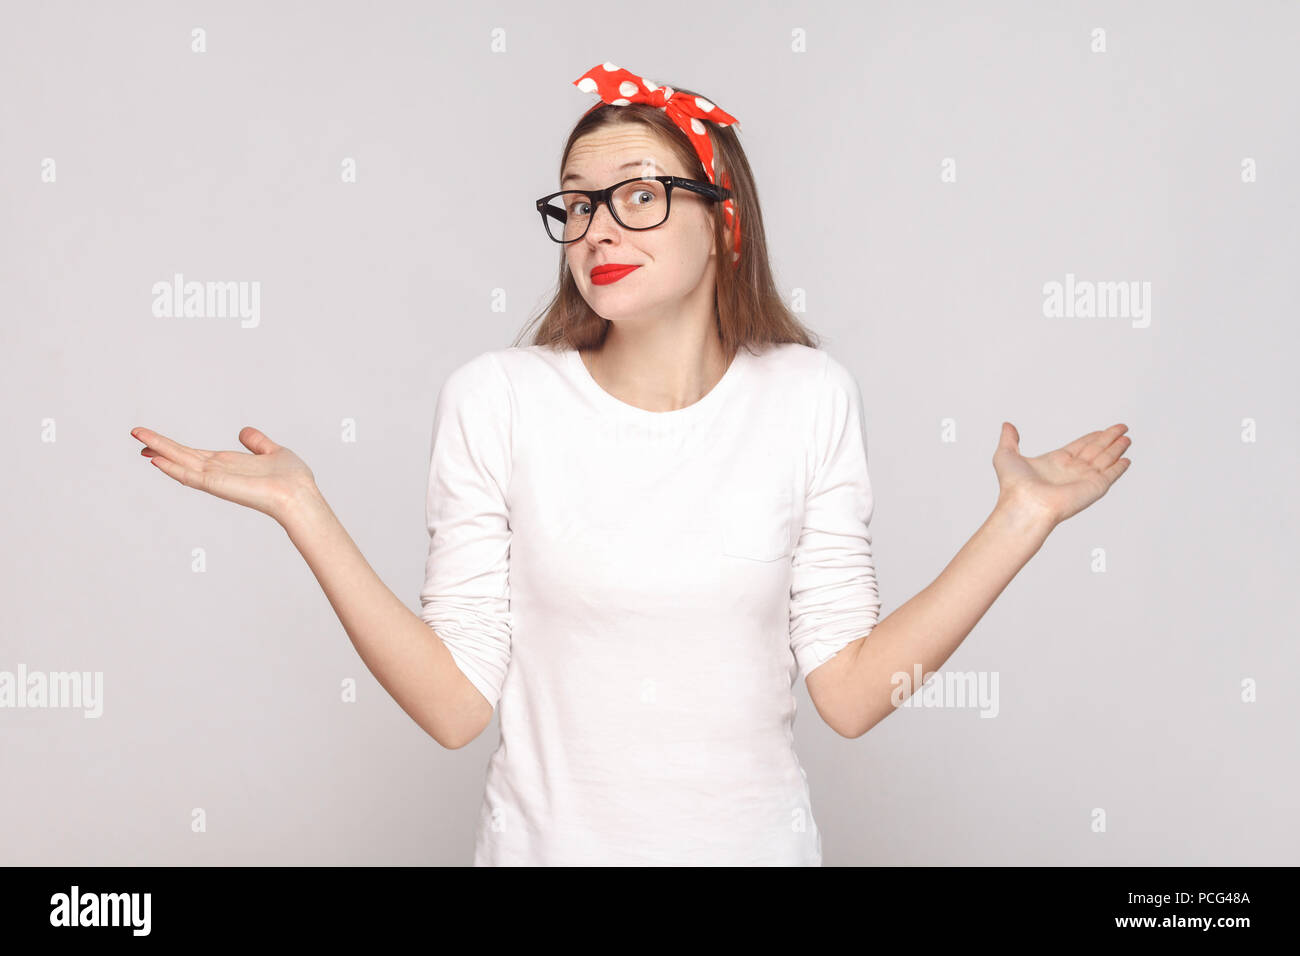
(641, 203)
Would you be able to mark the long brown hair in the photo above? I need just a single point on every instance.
(750, 311)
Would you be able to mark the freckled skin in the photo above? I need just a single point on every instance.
(662, 350)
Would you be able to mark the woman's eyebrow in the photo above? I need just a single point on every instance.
(633, 163)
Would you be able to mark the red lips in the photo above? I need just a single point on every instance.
(610, 272)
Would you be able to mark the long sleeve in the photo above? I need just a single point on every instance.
(466, 592)
(833, 595)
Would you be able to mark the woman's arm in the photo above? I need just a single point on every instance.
(403, 652)
(854, 690)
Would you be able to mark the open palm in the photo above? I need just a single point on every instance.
(266, 480)
(1065, 481)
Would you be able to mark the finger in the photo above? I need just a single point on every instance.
(1111, 452)
(1115, 470)
(1097, 445)
(256, 441)
(182, 454)
(185, 476)
(1077, 445)
(217, 482)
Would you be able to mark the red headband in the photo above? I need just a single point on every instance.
(619, 87)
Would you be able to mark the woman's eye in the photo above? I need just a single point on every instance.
(644, 192)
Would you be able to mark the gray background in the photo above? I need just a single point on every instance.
(1118, 690)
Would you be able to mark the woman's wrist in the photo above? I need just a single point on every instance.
(304, 507)
(1020, 513)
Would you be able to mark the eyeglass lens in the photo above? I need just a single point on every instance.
(641, 204)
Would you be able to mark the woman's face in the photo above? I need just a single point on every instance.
(675, 261)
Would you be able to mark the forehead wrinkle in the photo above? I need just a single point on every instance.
(639, 148)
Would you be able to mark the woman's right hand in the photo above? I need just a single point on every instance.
(269, 480)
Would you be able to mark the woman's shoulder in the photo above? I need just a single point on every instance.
(790, 365)
(512, 365)
(824, 369)
(813, 384)
(519, 362)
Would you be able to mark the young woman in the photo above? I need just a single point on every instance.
(646, 524)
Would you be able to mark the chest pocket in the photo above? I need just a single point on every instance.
(757, 527)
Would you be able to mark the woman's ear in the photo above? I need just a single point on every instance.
(730, 223)
(730, 235)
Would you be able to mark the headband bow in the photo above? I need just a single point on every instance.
(619, 87)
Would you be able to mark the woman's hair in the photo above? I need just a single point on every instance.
(749, 309)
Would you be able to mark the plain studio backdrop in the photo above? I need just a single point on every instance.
(926, 172)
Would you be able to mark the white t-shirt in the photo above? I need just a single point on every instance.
(636, 592)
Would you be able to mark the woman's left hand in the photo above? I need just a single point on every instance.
(1060, 483)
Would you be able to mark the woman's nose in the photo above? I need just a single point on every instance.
(602, 223)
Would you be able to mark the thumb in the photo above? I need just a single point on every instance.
(255, 441)
(1010, 438)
